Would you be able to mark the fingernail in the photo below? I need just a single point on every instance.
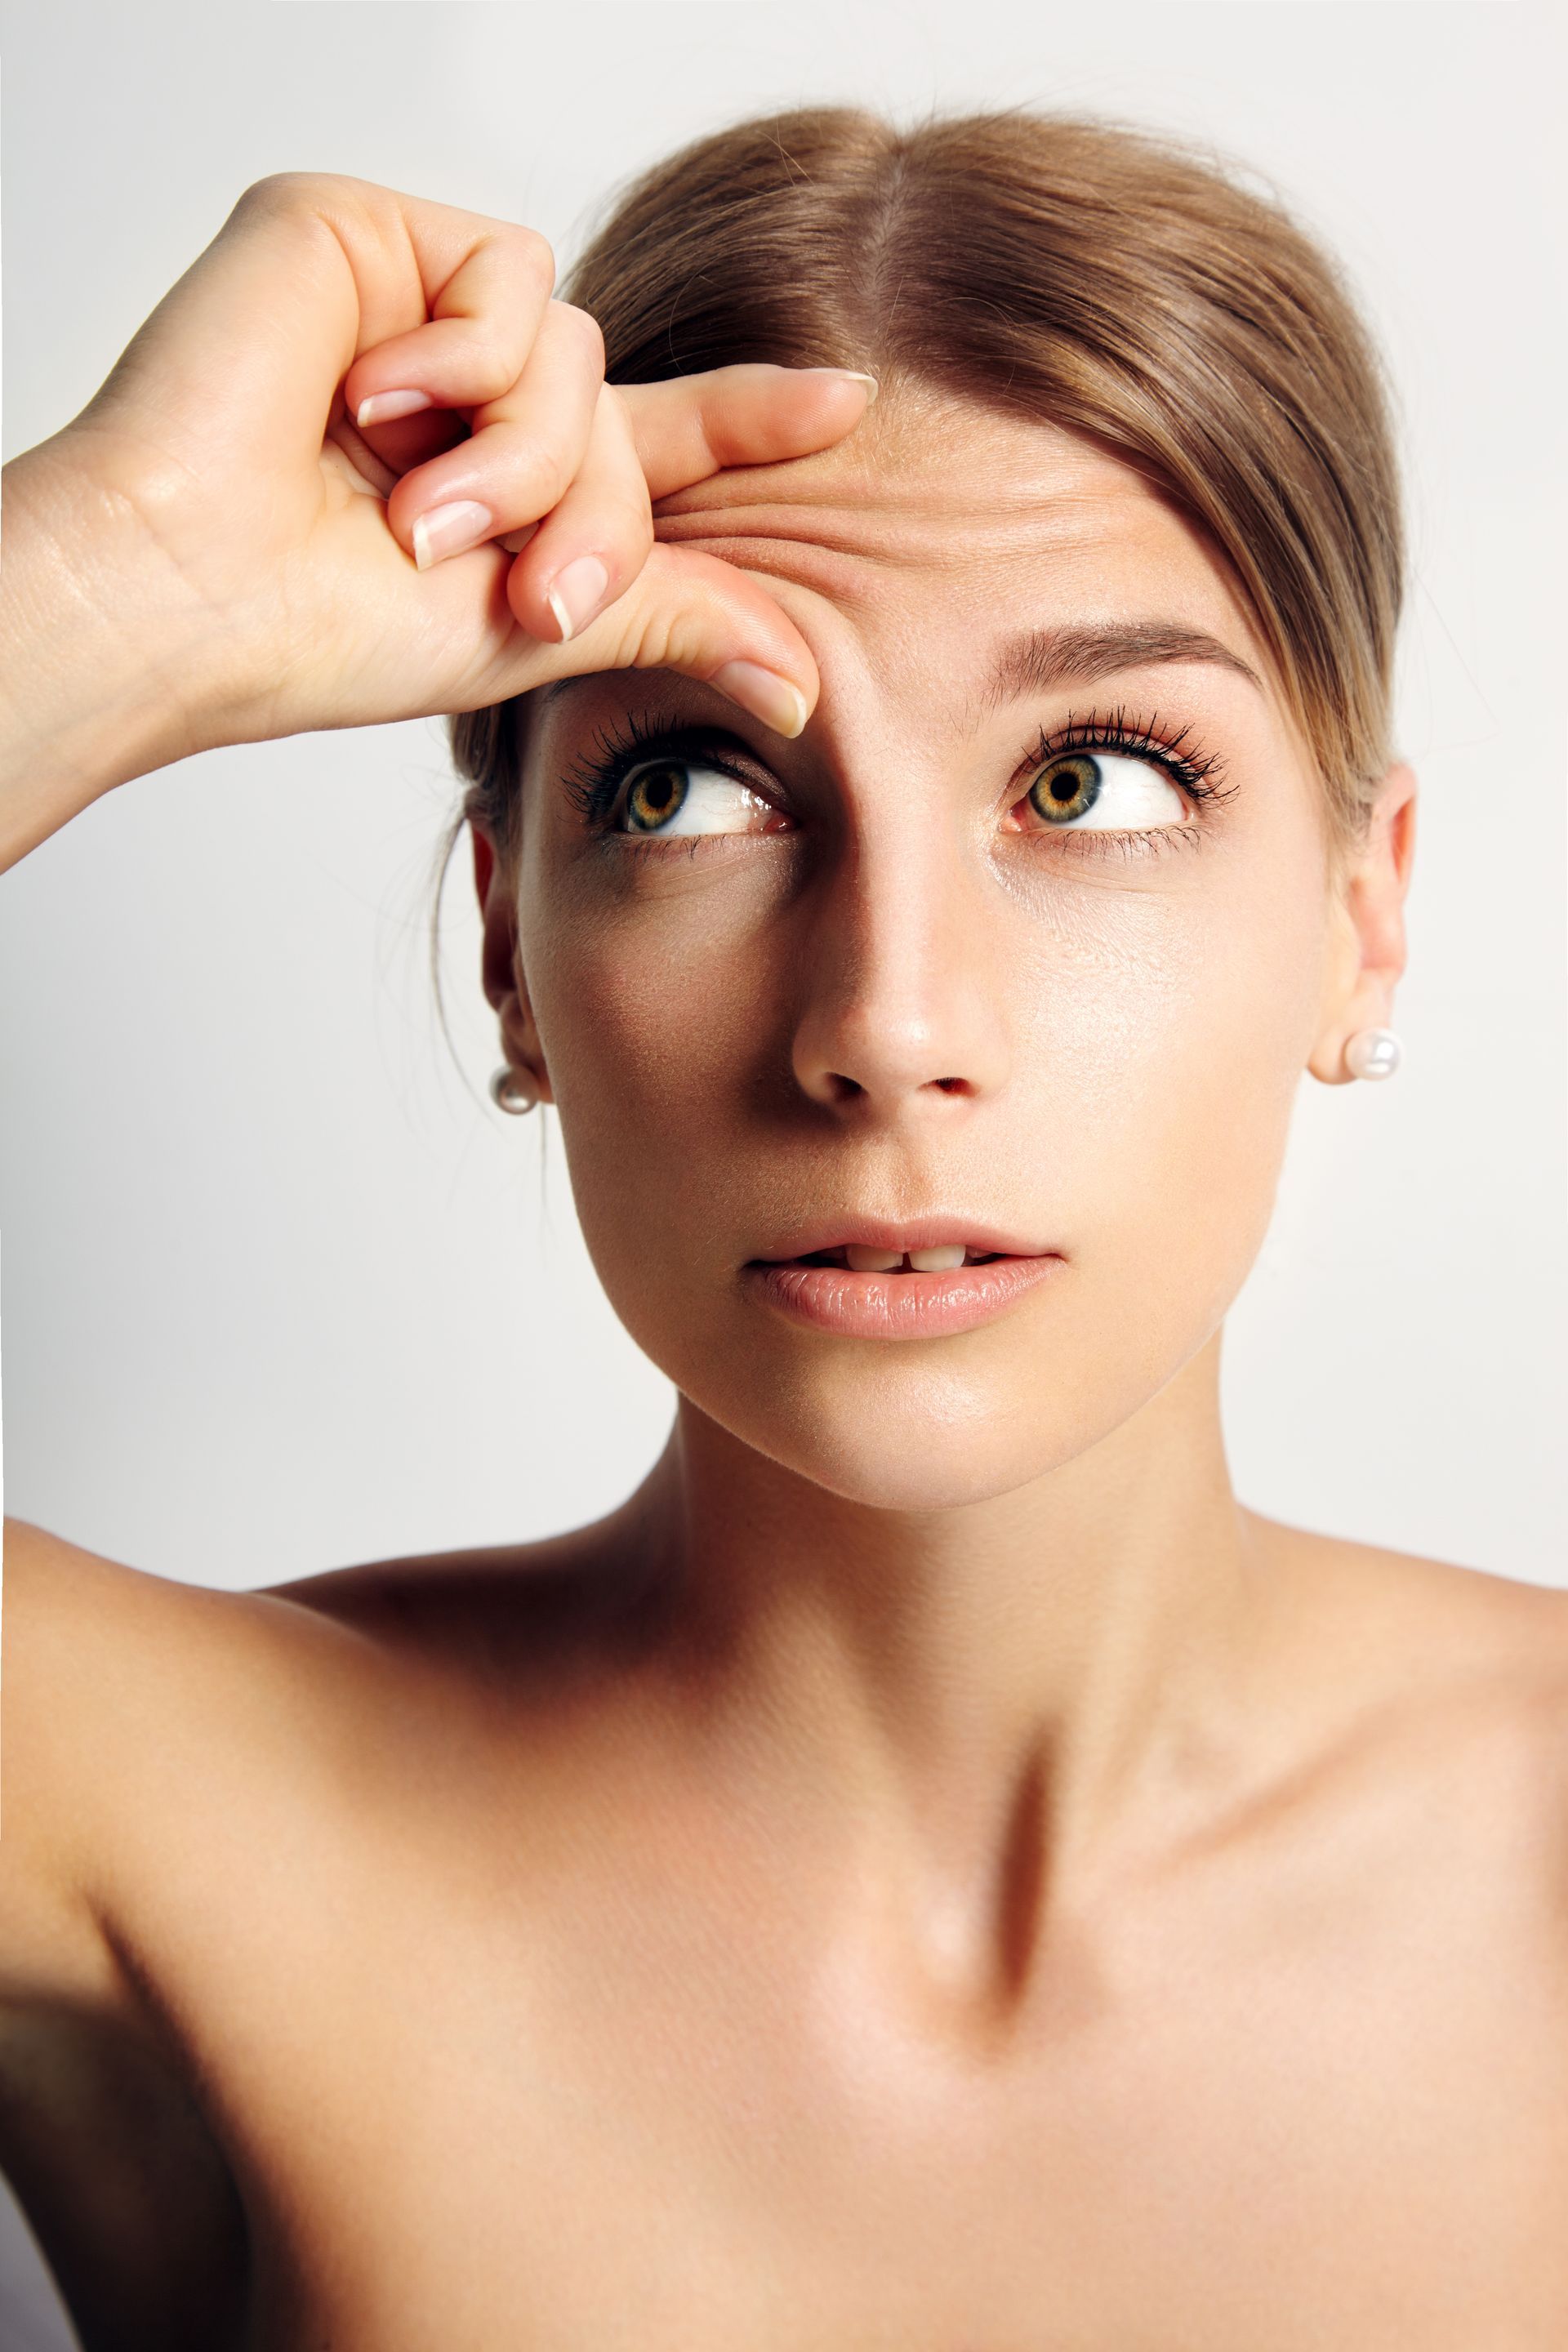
(576, 592)
(382, 406)
(514, 542)
(771, 698)
(447, 530)
(856, 375)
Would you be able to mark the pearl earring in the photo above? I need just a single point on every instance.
(514, 1090)
(1374, 1053)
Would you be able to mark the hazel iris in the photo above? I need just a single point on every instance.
(1067, 789)
(656, 794)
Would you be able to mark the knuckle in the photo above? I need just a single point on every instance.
(488, 372)
(631, 530)
(290, 191)
(535, 253)
(530, 480)
(585, 327)
(667, 637)
(542, 472)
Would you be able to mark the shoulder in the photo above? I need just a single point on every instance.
(111, 1644)
(1435, 1612)
(1460, 1673)
(125, 1695)
(525, 1610)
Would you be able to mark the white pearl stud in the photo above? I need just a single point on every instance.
(1373, 1054)
(514, 1090)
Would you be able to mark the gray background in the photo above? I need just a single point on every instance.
(279, 1289)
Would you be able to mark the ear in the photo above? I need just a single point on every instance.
(501, 963)
(1367, 954)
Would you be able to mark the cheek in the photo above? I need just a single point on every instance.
(1169, 1037)
(657, 1015)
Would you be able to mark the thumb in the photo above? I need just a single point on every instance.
(706, 619)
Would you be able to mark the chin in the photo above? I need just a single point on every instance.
(893, 1437)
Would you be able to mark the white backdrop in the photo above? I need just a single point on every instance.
(280, 1290)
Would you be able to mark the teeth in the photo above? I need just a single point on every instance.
(861, 1258)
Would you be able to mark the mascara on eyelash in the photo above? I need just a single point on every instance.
(593, 784)
(1190, 769)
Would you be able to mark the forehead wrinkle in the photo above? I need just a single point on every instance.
(842, 572)
(945, 535)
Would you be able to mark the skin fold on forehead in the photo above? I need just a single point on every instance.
(964, 495)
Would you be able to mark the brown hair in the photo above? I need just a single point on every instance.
(1089, 275)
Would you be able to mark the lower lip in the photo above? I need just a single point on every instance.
(898, 1305)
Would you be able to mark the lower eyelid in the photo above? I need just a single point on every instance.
(1150, 841)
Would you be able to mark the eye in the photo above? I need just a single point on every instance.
(1100, 792)
(682, 796)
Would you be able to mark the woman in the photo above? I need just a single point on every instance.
(932, 1868)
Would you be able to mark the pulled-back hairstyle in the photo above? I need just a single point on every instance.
(1078, 272)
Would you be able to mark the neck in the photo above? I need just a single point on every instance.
(1073, 1654)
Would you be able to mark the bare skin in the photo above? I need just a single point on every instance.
(933, 1869)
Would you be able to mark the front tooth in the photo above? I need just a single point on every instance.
(938, 1261)
(866, 1260)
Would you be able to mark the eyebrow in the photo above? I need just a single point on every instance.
(1040, 659)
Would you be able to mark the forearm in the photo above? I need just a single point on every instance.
(84, 705)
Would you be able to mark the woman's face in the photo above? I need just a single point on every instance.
(966, 958)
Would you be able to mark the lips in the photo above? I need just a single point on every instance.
(881, 1281)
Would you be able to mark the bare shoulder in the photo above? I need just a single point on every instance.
(1434, 1610)
(102, 1642)
(122, 1687)
(527, 1611)
(122, 1691)
(1462, 1670)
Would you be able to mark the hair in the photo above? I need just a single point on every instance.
(1089, 275)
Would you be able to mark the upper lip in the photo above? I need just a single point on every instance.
(885, 1233)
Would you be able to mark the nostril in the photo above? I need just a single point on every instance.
(952, 1085)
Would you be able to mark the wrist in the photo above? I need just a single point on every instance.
(85, 701)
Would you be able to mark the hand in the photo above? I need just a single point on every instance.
(217, 550)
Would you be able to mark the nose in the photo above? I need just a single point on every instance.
(904, 1009)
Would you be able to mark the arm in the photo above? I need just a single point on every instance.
(101, 2138)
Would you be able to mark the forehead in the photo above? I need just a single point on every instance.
(940, 515)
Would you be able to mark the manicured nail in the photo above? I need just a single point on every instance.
(447, 530)
(382, 406)
(576, 592)
(771, 698)
(856, 375)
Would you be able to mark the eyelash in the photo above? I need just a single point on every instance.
(592, 783)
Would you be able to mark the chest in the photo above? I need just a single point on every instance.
(461, 2125)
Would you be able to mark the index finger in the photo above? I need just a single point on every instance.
(318, 281)
(753, 413)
